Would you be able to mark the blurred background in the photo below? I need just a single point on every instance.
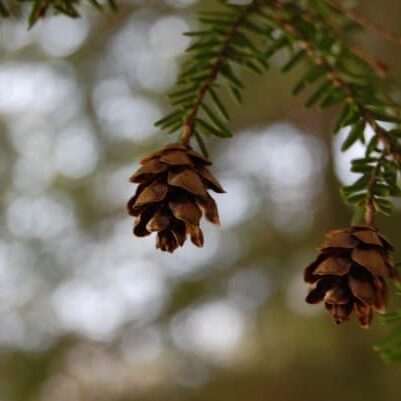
(90, 313)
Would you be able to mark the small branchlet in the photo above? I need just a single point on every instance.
(39, 9)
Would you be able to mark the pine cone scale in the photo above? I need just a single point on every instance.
(335, 265)
(340, 313)
(176, 158)
(209, 209)
(196, 235)
(381, 299)
(180, 232)
(149, 169)
(153, 193)
(141, 222)
(340, 240)
(368, 237)
(186, 211)
(188, 180)
(362, 290)
(337, 295)
(318, 290)
(160, 221)
(371, 259)
(211, 180)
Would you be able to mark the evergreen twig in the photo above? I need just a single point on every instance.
(215, 69)
(365, 22)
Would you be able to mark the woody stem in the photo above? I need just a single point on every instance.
(365, 22)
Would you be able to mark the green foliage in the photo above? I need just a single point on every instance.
(223, 46)
(38, 9)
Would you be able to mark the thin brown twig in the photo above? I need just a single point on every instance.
(365, 22)
(189, 123)
(379, 67)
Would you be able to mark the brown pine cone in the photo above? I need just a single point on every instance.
(349, 274)
(172, 196)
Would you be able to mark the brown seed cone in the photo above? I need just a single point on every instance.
(349, 274)
(172, 196)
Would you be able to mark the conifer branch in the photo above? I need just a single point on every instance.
(222, 47)
(365, 22)
(39, 9)
(377, 182)
(312, 16)
(215, 69)
(290, 28)
(381, 69)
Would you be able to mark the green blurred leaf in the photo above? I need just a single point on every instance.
(201, 144)
(212, 130)
(356, 133)
(294, 61)
(318, 94)
(3, 9)
(219, 104)
(213, 118)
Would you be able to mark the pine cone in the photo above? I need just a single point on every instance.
(348, 274)
(172, 196)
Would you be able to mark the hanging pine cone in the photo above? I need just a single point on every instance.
(348, 274)
(172, 196)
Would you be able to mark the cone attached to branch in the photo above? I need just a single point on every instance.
(349, 274)
(172, 196)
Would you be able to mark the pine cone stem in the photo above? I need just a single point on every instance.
(186, 134)
(369, 214)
